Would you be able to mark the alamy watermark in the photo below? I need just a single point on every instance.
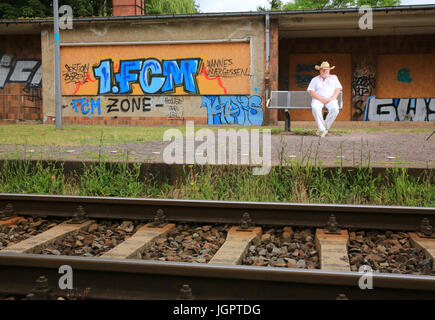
(66, 280)
(366, 21)
(65, 17)
(366, 280)
(213, 147)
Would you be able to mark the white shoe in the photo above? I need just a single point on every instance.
(323, 134)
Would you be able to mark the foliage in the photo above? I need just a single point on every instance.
(325, 4)
(13, 9)
(274, 5)
(335, 4)
(171, 6)
(295, 182)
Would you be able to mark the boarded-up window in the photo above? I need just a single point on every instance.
(184, 69)
(406, 76)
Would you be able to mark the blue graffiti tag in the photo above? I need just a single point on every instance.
(85, 107)
(303, 80)
(151, 84)
(243, 110)
(153, 76)
(403, 75)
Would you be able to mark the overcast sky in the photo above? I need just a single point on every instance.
(251, 5)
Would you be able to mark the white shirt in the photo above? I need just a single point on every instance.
(325, 88)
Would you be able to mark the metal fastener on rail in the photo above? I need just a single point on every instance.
(79, 216)
(41, 291)
(185, 293)
(160, 220)
(8, 212)
(342, 296)
(332, 225)
(246, 223)
(426, 230)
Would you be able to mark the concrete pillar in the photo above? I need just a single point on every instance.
(272, 73)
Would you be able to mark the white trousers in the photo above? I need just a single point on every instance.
(332, 107)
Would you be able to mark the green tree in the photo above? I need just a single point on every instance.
(335, 4)
(171, 6)
(274, 5)
(12, 9)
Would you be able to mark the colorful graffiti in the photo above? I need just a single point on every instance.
(86, 106)
(14, 70)
(181, 69)
(152, 75)
(169, 106)
(303, 80)
(363, 84)
(243, 110)
(400, 109)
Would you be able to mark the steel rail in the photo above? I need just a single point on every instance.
(141, 279)
(265, 213)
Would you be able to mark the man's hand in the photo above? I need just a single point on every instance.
(320, 98)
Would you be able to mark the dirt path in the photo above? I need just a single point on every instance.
(379, 149)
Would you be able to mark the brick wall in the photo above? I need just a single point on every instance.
(128, 121)
(123, 8)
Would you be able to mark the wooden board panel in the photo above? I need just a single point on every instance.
(221, 68)
(405, 76)
(302, 70)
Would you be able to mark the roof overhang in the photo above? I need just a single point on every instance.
(345, 23)
(418, 19)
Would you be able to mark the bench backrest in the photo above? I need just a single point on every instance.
(294, 100)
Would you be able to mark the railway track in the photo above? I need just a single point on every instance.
(167, 249)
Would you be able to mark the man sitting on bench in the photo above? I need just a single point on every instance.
(324, 90)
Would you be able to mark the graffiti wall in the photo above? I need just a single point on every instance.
(363, 85)
(180, 69)
(20, 78)
(129, 106)
(16, 70)
(242, 110)
(175, 81)
(400, 109)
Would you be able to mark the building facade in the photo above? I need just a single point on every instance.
(219, 68)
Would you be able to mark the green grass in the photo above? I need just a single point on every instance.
(292, 182)
(39, 135)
